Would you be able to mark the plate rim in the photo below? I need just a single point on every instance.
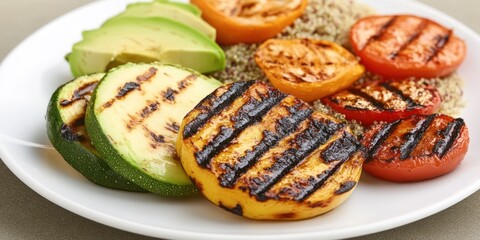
(146, 230)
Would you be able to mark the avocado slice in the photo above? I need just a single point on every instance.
(173, 11)
(185, 6)
(147, 40)
(133, 120)
(66, 131)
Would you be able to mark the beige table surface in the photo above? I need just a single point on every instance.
(26, 215)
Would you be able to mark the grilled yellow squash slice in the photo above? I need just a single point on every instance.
(263, 154)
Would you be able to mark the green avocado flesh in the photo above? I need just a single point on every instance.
(130, 39)
(66, 131)
(185, 6)
(134, 117)
(171, 11)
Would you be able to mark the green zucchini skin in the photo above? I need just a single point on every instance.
(78, 154)
(128, 162)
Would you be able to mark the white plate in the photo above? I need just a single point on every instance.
(30, 74)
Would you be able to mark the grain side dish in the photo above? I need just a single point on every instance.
(330, 20)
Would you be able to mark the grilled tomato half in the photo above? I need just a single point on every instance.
(249, 21)
(385, 101)
(401, 46)
(416, 148)
(263, 154)
(308, 69)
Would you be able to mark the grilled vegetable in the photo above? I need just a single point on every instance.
(134, 117)
(385, 101)
(251, 21)
(402, 46)
(308, 69)
(262, 154)
(66, 131)
(416, 148)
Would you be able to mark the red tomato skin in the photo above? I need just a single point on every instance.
(379, 63)
(419, 168)
(368, 117)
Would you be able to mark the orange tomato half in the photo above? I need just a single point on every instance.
(308, 69)
(249, 21)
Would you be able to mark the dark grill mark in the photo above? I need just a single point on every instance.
(410, 102)
(380, 32)
(216, 106)
(128, 87)
(237, 210)
(157, 138)
(440, 43)
(186, 82)
(249, 113)
(410, 39)
(169, 94)
(340, 150)
(367, 97)
(345, 187)
(147, 75)
(173, 127)
(213, 148)
(316, 134)
(381, 136)
(146, 111)
(284, 127)
(449, 134)
(80, 93)
(414, 136)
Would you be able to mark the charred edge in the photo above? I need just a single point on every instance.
(291, 215)
(410, 102)
(380, 32)
(128, 87)
(345, 187)
(169, 95)
(415, 136)
(367, 97)
(147, 75)
(237, 210)
(69, 134)
(340, 151)
(249, 113)
(410, 39)
(450, 134)
(284, 127)
(217, 105)
(80, 93)
(316, 134)
(440, 43)
(196, 183)
(381, 136)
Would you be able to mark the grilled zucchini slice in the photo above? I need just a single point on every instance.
(66, 131)
(134, 117)
(263, 154)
